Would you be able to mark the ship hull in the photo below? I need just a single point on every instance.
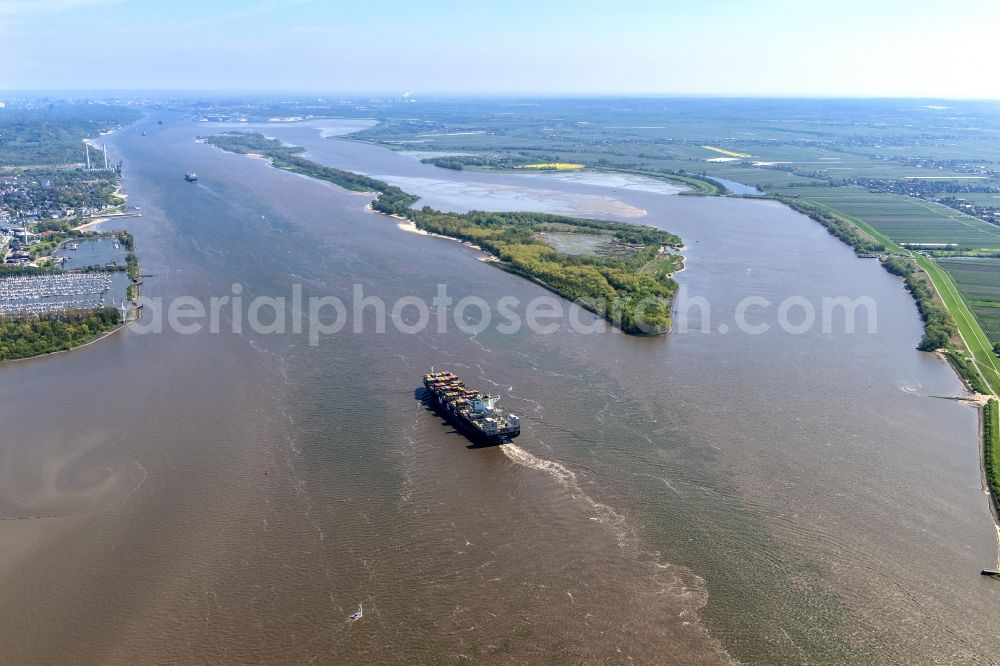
(473, 433)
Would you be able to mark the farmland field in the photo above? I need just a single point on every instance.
(979, 281)
(723, 151)
(904, 219)
(553, 166)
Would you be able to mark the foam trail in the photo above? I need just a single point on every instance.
(602, 513)
(565, 476)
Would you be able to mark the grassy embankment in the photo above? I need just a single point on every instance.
(632, 292)
(978, 279)
(991, 450)
(976, 342)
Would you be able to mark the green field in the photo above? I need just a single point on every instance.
(991, 450)
(977, 342)
(979, 281)
(904, 219)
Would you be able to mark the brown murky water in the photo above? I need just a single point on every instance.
(694, 498)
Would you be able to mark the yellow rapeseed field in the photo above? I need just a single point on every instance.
(726, 152)
(557, 166)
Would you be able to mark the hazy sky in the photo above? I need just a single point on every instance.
(722, 47)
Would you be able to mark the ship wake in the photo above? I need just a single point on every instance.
(599, 512)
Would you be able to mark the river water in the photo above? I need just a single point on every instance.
(699, 497)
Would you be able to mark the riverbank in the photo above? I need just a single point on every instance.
(101, 336)
(949, 326)
(23, 337)
(101, 219)
(963, 329)
(409, 226)
(991, 452)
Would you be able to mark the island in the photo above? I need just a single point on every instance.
(622, 272)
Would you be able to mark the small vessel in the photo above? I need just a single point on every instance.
(144, 132)
(473, 412)
(357, 615)
(191, 176)
(74, 246)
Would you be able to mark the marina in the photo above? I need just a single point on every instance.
(46, 293)
(39, 294)
(90, 252)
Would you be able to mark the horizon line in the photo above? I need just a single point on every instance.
(416, 96)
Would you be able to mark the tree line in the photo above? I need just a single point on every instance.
(26, 336)
(939, 326)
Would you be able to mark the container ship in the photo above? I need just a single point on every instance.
(473, 412)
